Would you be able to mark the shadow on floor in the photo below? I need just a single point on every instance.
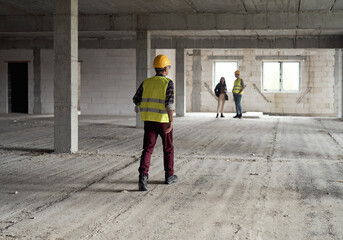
(30, 150)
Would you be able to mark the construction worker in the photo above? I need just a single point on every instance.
(155, 101)
(237, 92)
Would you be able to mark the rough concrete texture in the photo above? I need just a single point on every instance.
(108, 80)
(66, 73)
(266, 178)
(316, 97)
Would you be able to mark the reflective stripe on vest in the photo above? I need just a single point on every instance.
(238, 86)
(153, 104)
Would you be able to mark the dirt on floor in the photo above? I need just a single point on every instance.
(251, 178)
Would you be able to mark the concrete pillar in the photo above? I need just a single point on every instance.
(180, 82)
(338, 83)
(152, 71)
(37, 105)
(143, 59)
(341, 77)
(196, 92)
(66, 75)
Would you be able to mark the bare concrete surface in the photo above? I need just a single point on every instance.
(253, 178)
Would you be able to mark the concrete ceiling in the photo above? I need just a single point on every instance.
(179, 18)
(45, 7)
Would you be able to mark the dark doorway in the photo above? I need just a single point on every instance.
(18, 87)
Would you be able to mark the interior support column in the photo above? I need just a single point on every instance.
(341, 76)
(66, 76)
(143, 60)
(180, 82)
(196, 91)
(37, 105)
(338, 89)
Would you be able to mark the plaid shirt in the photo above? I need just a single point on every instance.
(137, 98)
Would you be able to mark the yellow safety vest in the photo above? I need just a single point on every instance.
(238, 86)
(153, 104)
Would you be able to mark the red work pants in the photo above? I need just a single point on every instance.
(151, 131)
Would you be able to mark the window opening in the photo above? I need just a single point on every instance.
(227, 70)
(281, 76)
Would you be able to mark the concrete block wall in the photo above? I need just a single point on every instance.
(108, 81)
(14, 56)
(317, 77)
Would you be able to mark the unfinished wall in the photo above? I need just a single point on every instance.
(14, 56)
(107, 81)
(317, 93)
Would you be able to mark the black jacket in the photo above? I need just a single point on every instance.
(217, 89)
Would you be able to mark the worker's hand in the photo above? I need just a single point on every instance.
(136, 108)
(170, 127)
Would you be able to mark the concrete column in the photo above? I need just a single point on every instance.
(196, 92)
(37, 105)
(338, 104)
(66, 75)
(152, 71)
(143, 59)
(180, 82)
(341, 77)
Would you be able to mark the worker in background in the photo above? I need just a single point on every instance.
(237, 92)
(220, 92)
(155, 101)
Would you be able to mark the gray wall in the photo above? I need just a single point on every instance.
(318, 93)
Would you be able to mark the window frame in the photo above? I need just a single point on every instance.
(281, 90)
(214, 84)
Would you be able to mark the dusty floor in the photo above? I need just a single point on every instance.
(267, 178)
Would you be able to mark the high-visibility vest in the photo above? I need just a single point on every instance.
(238, 86)
(153, 104)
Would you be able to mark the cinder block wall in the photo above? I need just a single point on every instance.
(108, 81)
(317, 73)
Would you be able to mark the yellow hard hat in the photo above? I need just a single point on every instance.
(161, 61)
(237, 72)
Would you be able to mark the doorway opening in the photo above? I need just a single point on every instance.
(18, 85)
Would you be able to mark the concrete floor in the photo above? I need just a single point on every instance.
(264, 178)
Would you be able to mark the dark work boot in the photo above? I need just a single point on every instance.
(217, 115)
(143, 183)
(236, 116)
(240, 116)
(221, 115)
(170, 179)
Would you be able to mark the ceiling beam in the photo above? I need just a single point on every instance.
(199, 21)
(332, 42)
